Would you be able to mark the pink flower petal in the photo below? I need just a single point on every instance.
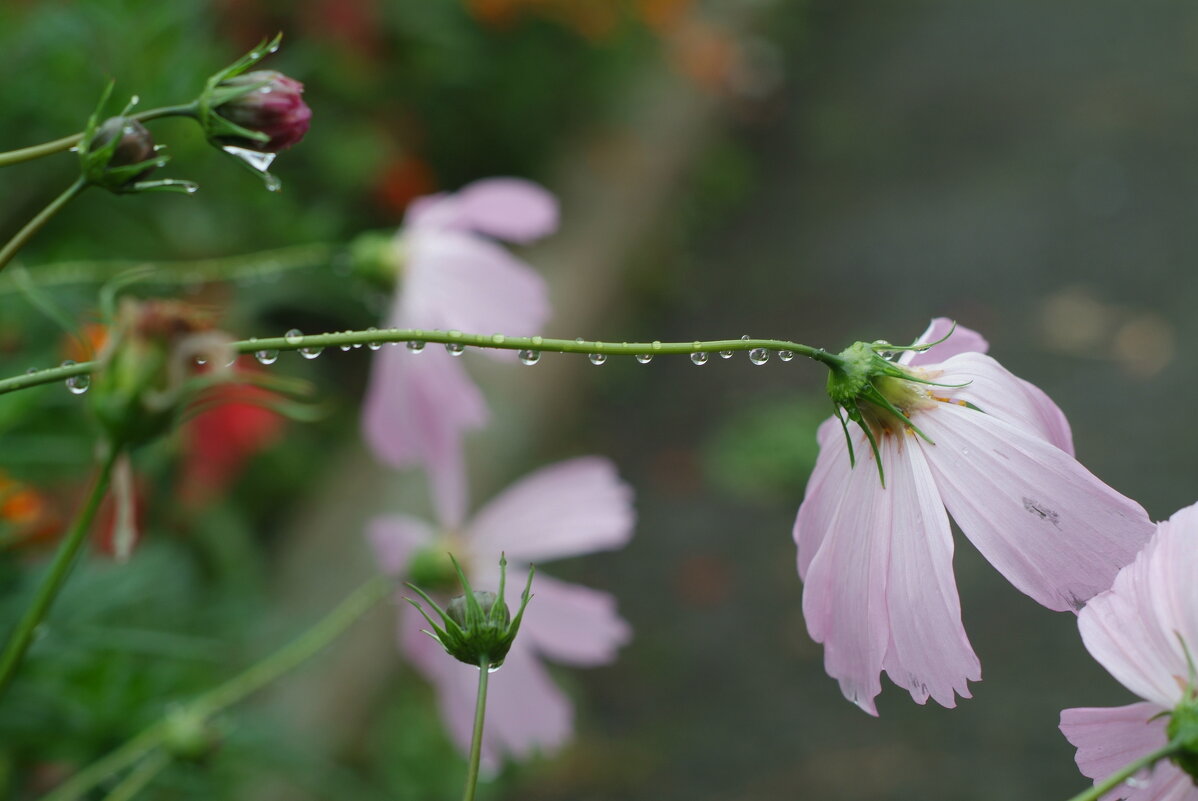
(1108, 739)
(963, 340)
(999, 393)
(1134, 629)
(571, 623)
(511, 209)
(1053, 529)
(569, 508)
(929, 653)
(508, 208)
(456, 280)
(526, 711)
(394, 538)
(825, 488)
(417, 408)
(844, 593)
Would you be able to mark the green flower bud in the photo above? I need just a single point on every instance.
(477, 628)
(142, 383)
(188, 736)
(118, 154)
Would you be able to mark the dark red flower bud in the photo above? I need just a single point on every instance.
(276, 108)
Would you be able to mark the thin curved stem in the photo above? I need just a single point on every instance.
(476, 742)
(140, 777)
(455, 338)
(262, 264)
(253, 678)
(1126, 772)
(68, 142)
(21, 636)
(33, 226)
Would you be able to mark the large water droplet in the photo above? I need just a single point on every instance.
(255, 158)
(530, 357)
(78, 384)
(644, 358)
(293, 336)
(266, 356)
(537, 340)
(786, 355)
(415, 345)
(657, 344)
(725, 354)
(373, 345)
(759, 355)
(498, 339)
(745, 337)
(597, 358)
(699, 358)
(311, 353)
(455, 348)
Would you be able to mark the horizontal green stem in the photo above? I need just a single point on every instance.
(179, 272)
(68, 142)
(495, 341)
(1123, 774)
(232, 691)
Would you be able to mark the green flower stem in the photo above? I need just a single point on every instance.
(499, 341)
(33, 226)
(1123, 774)
(232, 691)
(68, 142)
(262, 264)
(139, 777)
(20, 638)
(476, 742)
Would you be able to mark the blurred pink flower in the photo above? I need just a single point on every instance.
(567, 509)
(876, 562)
(419, 406)
(1136, 631)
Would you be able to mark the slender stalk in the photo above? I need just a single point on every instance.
(235, 689)
(495, 341)
(139, 777)
(33, 226)
(68, 142)
(262, 264)
(20, 638)
(476, 742)
(1126, 772)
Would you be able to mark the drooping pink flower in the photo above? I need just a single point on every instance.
(454, 277)
(1140, 631)
(567, 509)
(876, 559)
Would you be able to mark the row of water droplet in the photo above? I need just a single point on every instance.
(79, 384)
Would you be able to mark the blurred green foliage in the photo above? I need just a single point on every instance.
(410, 99)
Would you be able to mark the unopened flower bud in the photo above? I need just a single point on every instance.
(119, 154)
(272, 104)
(476, 628)
(188, 736)
(138, 391)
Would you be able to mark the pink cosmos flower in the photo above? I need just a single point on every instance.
(1136, 630)
(876, 560)
(454, 276)
(569, 508)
